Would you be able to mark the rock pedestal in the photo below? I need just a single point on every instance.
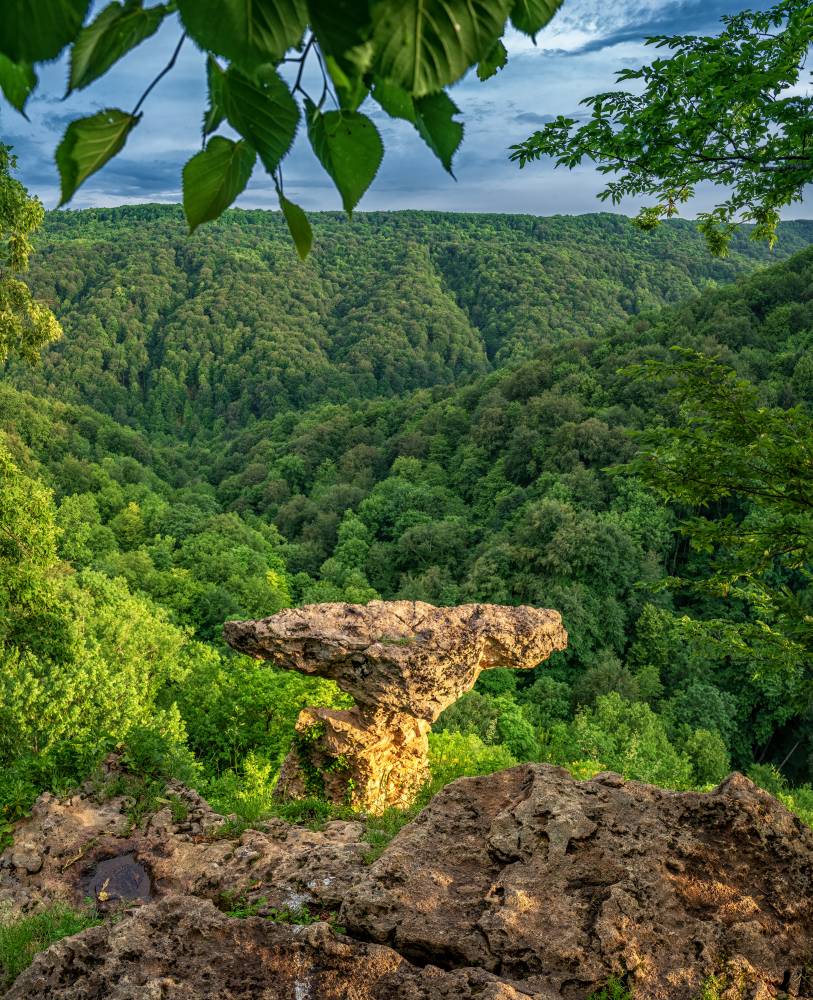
(403, 662)
(369, 759)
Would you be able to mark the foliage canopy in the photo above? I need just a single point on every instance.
(402, 54)
(724, 108)
(25, 324)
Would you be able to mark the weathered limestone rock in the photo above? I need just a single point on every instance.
(182, 948)
(61, 845)
(556, 885)
(403, 662)
(521, 885)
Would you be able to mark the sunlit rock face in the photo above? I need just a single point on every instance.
(403, 662)
(557, 885)
(521, 885)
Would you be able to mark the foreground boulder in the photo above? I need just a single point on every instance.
(558, 885)
(86, 846)
(403, 662)
(521, 884)
(183, 948)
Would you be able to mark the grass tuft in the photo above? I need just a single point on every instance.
(21, 938)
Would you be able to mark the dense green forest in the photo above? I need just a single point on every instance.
(434, 407)
(184, 335)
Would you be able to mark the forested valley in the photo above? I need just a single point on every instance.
(444, 408)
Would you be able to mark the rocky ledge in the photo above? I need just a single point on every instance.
(403, 662)
(521, 884)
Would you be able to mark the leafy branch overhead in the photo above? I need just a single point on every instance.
(257, 58)
(728, 109)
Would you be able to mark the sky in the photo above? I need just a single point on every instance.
(577, 55)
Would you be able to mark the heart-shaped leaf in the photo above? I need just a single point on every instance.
(117, 30)
(348, 146)
(432, 116)
(17, 80)
(298, 225)
(434, 120)
(32, 31)
(215, 112)
(248, 32)
(213, 178)
(263, 111)
(88, 144)
(424, 45)
(494, 61)
(530, 16)
(343, 29)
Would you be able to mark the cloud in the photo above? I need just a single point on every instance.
(583, 26)
(532, 118)
(577, 55)
(677, 19)
(57, 121)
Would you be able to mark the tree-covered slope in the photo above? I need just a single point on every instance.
(490, 485)
(498, 491)
(179, 335)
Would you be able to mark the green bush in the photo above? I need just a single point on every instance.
(628, 737)
(456, 755)
(707, 752)
(233, 706)
(246, 792)
(799, 799)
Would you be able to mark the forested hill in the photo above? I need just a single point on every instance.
(181, 335)
(495, 490)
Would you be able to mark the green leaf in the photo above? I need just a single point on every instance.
(348, 146)
(248, 32)
(434, 120)
(88, 144)
(298, 225)
(530, 16)
(115, 32)
(494, 61)
(32, 31)
(432, 116)
(263, 111)
(424, 45)
(17, 80)
(351, 89)
(213, 178)
(214, 113)
(118, 29)
(394, 100)
(343, 29)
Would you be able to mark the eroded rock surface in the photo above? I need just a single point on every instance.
(403, 662)
(71, 839)
(559, 884)
(183, 948)
(520, 884)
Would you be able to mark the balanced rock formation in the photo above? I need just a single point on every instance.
(557, 885)
(403, 662)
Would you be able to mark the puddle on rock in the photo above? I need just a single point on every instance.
(116, 880)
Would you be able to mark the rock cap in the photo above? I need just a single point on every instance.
(402, 656)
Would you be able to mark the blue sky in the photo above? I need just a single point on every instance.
(577, 55)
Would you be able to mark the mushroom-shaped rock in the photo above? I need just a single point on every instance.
(403, 662)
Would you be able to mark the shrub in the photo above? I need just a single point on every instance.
(628, 737)
(456, 755)
(710, 761)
